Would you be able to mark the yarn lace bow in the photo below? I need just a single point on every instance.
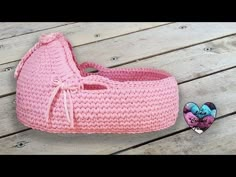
(59, 85)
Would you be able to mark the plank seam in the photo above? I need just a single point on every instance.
(206, 75)
(8, 94)
(170, 51)
(148, 28)
(165, 136)
(161, 54)
(37, 31)
(94, 41)
(9, 134)
(146, 57)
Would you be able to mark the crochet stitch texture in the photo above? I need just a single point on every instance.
(56, 94)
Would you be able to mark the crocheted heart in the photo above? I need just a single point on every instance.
(199, 119)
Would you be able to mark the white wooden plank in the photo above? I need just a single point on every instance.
(7, 85)
(13, 49)
(8, 67)
(218, 88)
(196, 61)
(126, 48)
(152, 42)
(220, 138)
(8, 116)
(11, 29)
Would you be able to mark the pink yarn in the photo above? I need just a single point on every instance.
(55, 94)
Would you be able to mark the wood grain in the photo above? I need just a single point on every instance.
(220, 55)
(13, 49)
(8, 85)
(12, 29)
(220, 138)
(186, 64)
(8, 116)
(196, 61)
(219, 88)
(8, 67)
(152, 42)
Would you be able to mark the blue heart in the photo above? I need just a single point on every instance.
(199, 119)
(208, 109)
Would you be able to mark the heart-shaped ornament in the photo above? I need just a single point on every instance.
(199, 119)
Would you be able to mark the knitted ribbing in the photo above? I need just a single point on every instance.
(56, 94)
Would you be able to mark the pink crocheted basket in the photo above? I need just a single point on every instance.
(56, 94)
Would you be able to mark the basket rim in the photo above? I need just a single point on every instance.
(74, 67)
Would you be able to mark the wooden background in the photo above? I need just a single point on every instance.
(202, 57)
